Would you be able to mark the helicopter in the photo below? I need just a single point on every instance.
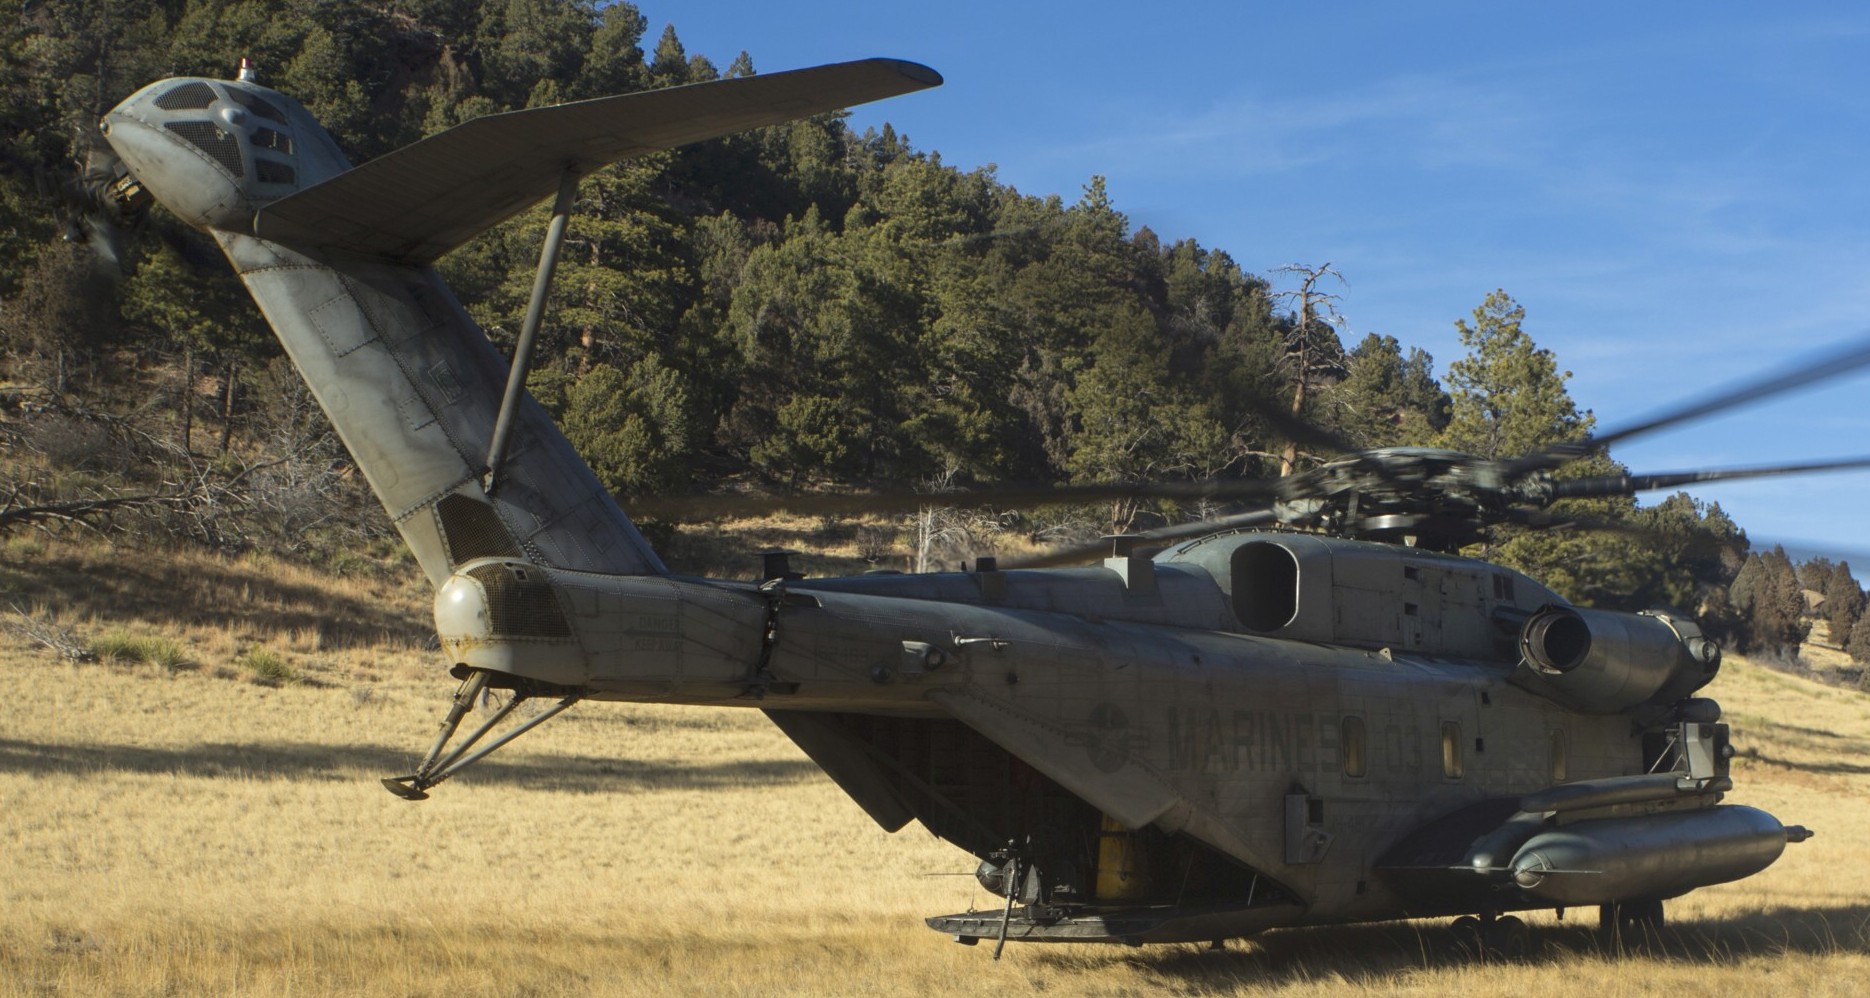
(1311, 712)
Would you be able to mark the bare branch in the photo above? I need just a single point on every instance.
(37, 627)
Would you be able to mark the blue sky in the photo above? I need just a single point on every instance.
(1676, 193)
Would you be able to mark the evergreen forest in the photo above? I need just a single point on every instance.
(798, 308)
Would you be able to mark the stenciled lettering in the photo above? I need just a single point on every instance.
(1202, 739)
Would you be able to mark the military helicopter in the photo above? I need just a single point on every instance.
(1310, 712)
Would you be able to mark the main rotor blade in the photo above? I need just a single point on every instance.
(1623, 485)
(1301, 431)
(1836, 362)
(1078, 554)
(852, 504)
(1550, 519)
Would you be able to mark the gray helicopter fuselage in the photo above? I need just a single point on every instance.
(1245, 731)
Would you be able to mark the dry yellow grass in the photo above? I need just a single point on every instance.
(183, 831)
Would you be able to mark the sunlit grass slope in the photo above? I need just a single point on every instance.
(201, 826)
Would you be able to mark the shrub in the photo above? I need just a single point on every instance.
(124, 648)
(268, 667)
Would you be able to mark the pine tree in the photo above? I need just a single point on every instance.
(632, 426)
(201, 313)
(614, 63)
(669, 66)
(1387, 399)
(59, 316)
(1507, 396)
(1844, 602)
(1858, 646)
(1778, 608)
(1687, 556)
(1815, 574)
(1747, 590)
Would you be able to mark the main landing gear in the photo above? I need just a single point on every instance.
(436, 767)
(1623, 923)
(1490, 936)
(1619, 924)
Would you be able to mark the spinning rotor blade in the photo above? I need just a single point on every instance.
(1623, 485)
(1284, 424)
(1301, 432)
(1548, 519)
(1077, 554)
(709, 507)
(1838, 361)
(99, 201)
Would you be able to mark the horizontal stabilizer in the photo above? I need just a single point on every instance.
(419, 202)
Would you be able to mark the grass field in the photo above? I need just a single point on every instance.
(204, 816)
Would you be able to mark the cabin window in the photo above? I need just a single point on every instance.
(1356, 763)
(1452, 765)
(1561, 756)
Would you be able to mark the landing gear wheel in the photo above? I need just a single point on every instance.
(1470, 937)
(1487, 937)
(1508, 938)
(1622, 923)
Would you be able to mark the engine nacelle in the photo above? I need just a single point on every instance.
(1603, 662)
(1329, 590)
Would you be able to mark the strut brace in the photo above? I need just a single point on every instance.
(435, 767)
(529, 328)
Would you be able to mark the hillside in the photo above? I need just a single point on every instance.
(797, 307)
(194, 823)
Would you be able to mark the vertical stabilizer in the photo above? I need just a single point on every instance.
(409, 382)
(338, 260)
(413, 386)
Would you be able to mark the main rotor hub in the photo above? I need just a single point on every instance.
(1434, 499)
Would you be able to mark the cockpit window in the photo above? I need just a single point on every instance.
(209, 138)
(256, 105)
(266, 138)
(187, 97)
(270, 172)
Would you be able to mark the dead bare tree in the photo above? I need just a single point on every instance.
(950, 531)
(1313, 349)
